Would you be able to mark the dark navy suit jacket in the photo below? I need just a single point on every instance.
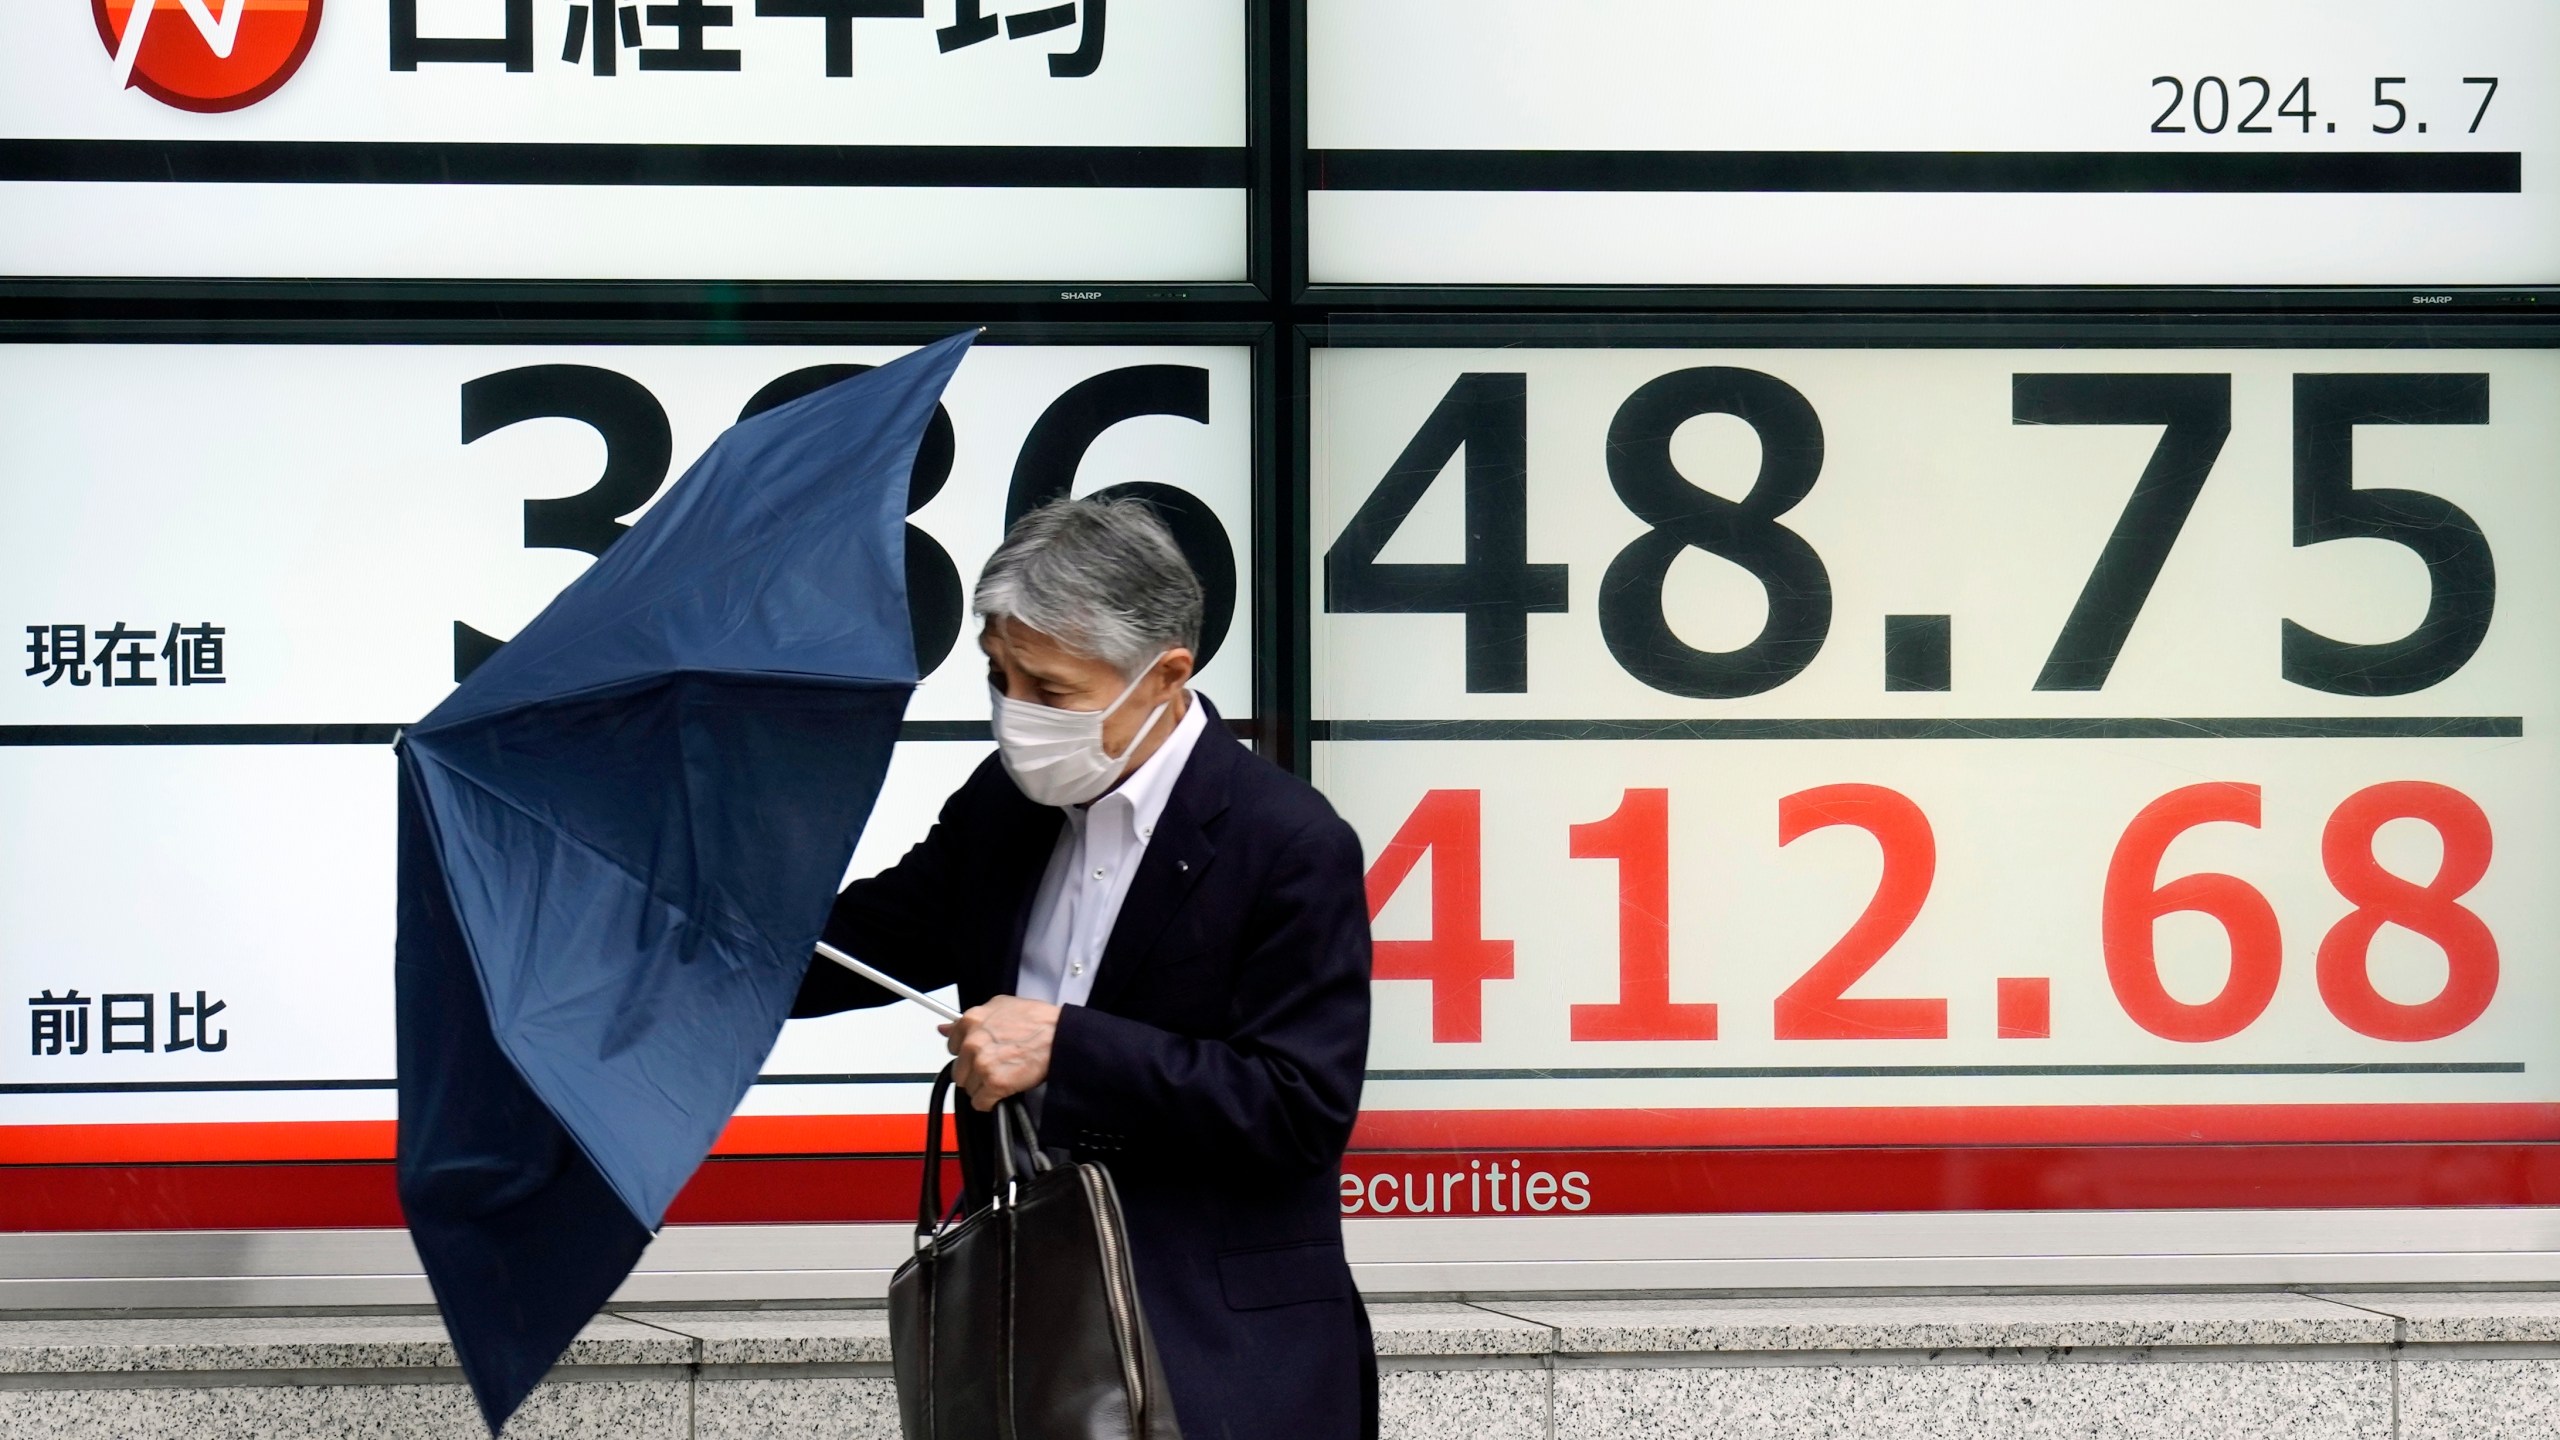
(1215, 1069)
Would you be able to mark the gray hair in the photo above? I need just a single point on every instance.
(1104, 578)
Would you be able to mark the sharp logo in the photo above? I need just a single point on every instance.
(206, 55)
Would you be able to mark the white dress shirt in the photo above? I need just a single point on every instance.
(1088, 876)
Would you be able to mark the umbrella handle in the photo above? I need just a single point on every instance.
(889, 983)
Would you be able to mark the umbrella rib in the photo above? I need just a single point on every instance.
(888, 982)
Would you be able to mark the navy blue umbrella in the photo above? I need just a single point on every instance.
(619, 839)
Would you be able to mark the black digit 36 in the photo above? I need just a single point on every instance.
(639, 451)
(1745, 532)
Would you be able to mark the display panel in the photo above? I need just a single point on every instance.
(199, 909)
(1835, 778)
(2006, 143)
(783, 140)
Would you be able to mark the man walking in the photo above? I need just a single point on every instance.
(1163, 942)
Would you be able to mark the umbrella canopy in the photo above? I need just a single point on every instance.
(619, 840)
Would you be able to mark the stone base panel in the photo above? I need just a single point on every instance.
(2443, 1366)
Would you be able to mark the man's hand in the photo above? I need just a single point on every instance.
(1001, 1048)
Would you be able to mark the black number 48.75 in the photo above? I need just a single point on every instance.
(1497, 587)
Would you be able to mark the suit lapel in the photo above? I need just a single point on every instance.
(1176, 857)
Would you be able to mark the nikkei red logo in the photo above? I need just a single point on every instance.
(206, 55)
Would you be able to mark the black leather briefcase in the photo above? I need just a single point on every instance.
(1021, 1321)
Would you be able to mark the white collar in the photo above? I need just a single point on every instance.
(1148, 791)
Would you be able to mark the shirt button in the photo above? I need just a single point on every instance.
(1097, 872)
(1076, 969)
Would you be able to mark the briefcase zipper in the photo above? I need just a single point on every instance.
(1116, 1279)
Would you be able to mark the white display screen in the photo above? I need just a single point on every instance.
(1952, 142)
(766, 140)
(1856, 748)
(200, 818)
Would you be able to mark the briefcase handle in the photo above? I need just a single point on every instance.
(1009, 1114)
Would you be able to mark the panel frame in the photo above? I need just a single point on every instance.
(1284, 319)
(2380, 299)
(2166, 331)
(1265, 548)
(1262, 548)
(42, 295)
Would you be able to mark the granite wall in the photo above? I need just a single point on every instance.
(2264, 1365)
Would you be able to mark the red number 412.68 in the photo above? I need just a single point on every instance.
(1458, 958)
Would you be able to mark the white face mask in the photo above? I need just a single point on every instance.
(1057, 756)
